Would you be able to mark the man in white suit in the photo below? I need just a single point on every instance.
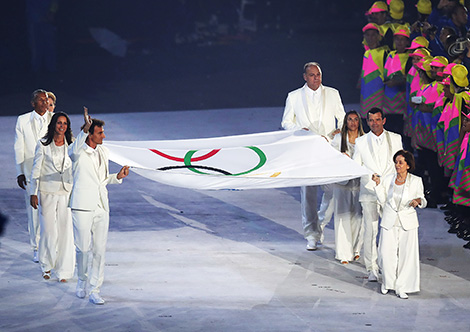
(30, 127)
(375, 151)
(89, 204)
(319, 109)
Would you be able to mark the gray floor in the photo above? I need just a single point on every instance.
(185, 260)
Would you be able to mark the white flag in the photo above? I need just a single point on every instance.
(265, 160)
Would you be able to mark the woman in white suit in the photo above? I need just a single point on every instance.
(51, 183)
(348, 212)
(399, 194)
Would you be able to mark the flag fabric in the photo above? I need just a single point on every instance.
(265, 160)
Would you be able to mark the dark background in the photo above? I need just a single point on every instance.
(211, 65)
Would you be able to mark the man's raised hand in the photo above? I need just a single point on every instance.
(88, 120)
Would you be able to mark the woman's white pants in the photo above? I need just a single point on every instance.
(399, 254)
(56, 249)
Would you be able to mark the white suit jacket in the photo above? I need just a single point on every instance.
(46, 175)
(26, 139)
(297, 114)
(366, 155)
(403, 211)
(88, 191)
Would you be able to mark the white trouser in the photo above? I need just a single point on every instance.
(33, 220)
(348, 222)
(370, 212)
(327, 207)
(56, 241)
(90, 229)
(399, 252)
(314, 221)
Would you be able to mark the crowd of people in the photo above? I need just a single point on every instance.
(416, 72)
(64, 180)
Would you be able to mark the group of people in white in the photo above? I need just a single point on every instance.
(65, 180)
(391, 193)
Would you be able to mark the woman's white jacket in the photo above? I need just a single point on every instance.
(47, 175)
(403, 211)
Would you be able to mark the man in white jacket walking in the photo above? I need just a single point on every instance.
(375, 151)
(30, 127)
(89, 204)
(318, 109)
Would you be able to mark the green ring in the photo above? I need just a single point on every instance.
(261, 155)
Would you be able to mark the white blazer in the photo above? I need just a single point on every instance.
(403, 211)
(46, 175)
(297, 114)
(26, 139)
(88, 191)
(365, 154)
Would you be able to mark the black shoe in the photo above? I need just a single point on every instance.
(454, 220)
(451, 219)
(467, 246)
(449, 212)
(454, 228)
(462, 233)
(447, 207)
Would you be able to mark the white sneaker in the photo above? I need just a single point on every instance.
(95, 298)
(383, 289)
(373, 276)
(35, 256)
(402, 295)
(80, 290)
(311, 245)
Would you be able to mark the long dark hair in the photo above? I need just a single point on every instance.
(344, 130)
(49, 137)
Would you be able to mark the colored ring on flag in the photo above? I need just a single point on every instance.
(167, 156)
(167, 168)
(261, 155)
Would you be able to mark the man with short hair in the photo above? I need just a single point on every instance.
(89, 204)
(375, 151)
(319, 109)
(30, 127)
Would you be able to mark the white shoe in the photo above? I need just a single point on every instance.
(80, 290)
(95, 298)
(35, 256)
(402, 295)
(373, 276)
(383, 289)
(311, 245)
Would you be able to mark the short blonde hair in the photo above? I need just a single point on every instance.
(52, 96)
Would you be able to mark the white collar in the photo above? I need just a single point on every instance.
(89, 149)
(39, 117)
(379, 138)
(314, 92)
